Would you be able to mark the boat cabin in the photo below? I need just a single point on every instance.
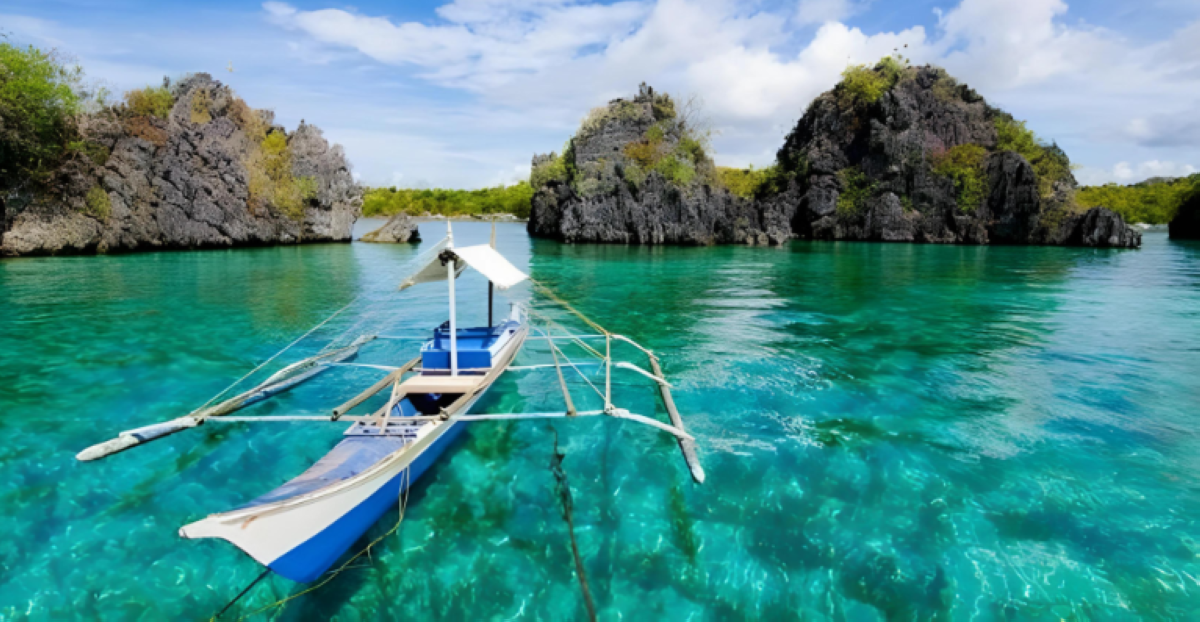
(477, 347)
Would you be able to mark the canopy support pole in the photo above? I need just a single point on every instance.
(450, 265)
(491, 286)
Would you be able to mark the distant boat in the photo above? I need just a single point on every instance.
(300, 529)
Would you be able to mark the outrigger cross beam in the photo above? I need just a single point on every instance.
(301, 528)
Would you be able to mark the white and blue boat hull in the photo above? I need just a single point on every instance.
(302, 528)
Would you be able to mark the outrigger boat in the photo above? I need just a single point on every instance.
(300, 529)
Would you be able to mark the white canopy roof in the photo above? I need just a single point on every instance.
(432, 270)
(491, 264)
(483, 258)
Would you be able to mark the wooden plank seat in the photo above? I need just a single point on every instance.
(441, 384)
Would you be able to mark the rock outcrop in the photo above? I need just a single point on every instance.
(637, 173)
(1186, 224)
(893, 153)
(925, 159)
(398, 229)
(211, 173)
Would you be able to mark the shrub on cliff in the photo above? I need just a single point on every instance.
(1048, 161)
(271, 181)
(152, 101)
(861, 83)
(98, 204)
(749, 182)
(964, 164)
(856, 188)
(549, 168)
(39, 98)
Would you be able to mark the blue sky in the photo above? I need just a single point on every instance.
(461, 93)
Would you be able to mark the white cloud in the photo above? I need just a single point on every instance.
(466, 96)
(1010, 43)
(1177, 128)
(824, 11)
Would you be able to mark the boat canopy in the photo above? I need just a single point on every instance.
(483, 258)
(491, 264)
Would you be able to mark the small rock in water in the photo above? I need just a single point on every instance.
(397, 230)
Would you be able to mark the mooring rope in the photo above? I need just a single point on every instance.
(332, 574)
(563, 487)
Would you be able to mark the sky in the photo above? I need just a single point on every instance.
(462, 93)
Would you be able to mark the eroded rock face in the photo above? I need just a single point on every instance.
(870, 171)
(605, 194)
(923, 163)
(397, 230)
(184, 182)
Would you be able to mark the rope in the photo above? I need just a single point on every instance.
(331, 575)
(551, 295)
(574, 339)
(370, 312)
(576, 368)
(277, 354)
(241, 594)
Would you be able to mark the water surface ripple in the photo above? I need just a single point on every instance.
(891, 432)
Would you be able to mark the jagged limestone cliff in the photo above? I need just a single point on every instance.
(893, 153)
(638, 172)
(907, 154)
(198, 169)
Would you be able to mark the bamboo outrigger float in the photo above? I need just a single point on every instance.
(300, 529)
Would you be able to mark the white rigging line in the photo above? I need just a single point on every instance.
(371, 311)
(277, 354)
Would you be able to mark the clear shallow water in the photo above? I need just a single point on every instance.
(890, 432)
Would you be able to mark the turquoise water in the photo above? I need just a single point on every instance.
(891, 432)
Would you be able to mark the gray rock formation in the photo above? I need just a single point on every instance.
(202, 177)
(1186, 224)
(636, 174)
(924, 162)
(398, 229)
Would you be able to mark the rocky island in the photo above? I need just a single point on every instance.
(892, 153)
(185, 165)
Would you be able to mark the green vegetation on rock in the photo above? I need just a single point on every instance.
(514, 199)
(747, 182)
(152, 101)
(98, 203)
(1154, 202)
(856, 189)
(200, 113)
(272, 184)
(39, 98)
(1048, 161)
(964, 164)
(552, 168)
(861, 83)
